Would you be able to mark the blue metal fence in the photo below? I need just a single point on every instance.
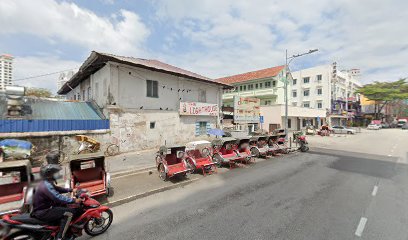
(23, 125)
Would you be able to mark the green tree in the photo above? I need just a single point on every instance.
(383, 93)
(38, 92)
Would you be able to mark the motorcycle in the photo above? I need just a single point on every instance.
(94, 220)
(303, 144)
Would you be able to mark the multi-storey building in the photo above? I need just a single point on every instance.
(63, 78)
(324, 87)
(6, 71)
(268, 85)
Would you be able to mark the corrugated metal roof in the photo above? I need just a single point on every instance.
(55, 110)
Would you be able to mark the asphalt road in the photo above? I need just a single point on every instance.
(324, 194)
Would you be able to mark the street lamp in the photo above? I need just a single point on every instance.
(286, 82)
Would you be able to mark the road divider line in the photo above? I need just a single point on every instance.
(360, 227)
(375, 189)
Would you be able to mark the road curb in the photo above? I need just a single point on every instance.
(148, 193)
(132, 172)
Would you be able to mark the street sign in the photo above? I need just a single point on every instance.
(261, 119)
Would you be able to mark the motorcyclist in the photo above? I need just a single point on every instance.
(49, 204)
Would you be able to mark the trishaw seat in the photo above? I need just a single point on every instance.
(171, 159)
(11, 198)
(12, 188)
(91, 183)
(90, 174)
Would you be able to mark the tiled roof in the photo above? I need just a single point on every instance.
(97, 60)
(259, 74)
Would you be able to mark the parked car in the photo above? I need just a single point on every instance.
(343, 130)
(373, 127)
(385, 125)
(405, 126)
(401, 122)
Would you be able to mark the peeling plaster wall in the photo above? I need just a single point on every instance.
(131, 130)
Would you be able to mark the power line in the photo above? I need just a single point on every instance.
(43, 75)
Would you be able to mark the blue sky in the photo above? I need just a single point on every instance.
(211, 37)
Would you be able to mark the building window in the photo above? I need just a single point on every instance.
(273, 83)
(304, 122)
(256, 86)
(89, 93)
(319, 77)
(319, 105)
(83, 95)
(250, 86)
(268, 102)
(306, 105)
(202, 95)
(260, 85)
(240, 88)
(74, 96)
(152, 88)
(306, 79)
(294, 94)
(294, 81)
(244, 87)
(152, 125)
(201, 128)
(267, 84)
(306, 93)
(319, 91)
(289, 123)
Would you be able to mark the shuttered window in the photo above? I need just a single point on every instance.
(152, 88)
(202, 128)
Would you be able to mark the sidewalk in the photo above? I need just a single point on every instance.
(132, 161)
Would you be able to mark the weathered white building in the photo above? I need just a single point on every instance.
(268, 85)
(6, 71)
(149, 103)
(324, 87)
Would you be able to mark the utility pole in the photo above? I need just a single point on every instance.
(287, 83)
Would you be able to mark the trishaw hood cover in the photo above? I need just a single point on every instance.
(15, 163)
(80, 157)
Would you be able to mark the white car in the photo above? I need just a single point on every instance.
(373, 127)
(343, 130)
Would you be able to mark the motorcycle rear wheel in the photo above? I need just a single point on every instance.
(106, 222)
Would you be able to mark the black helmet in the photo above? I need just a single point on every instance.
(53, 157)
(48, 171)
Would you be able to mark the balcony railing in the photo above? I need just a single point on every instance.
(253, 93)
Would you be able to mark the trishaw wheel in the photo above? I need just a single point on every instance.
(217, 160)
(162, 173)
(112, 150)
(255, 152)
(110, 192)
(97, 226)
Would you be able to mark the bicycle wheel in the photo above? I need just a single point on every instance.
(112, 150)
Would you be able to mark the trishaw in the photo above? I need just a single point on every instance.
(224, 151)
(171, 161)
(243, 150)
(88, 171)
(274, 147)
(15, 186)
(199, 156)
(259, 146)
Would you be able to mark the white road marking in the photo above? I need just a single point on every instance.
(375, 189)
(361, 226)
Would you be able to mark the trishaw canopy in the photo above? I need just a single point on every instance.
(198, 144)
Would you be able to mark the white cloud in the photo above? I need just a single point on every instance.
(63, 22)
(239, 35)
(35, 66)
